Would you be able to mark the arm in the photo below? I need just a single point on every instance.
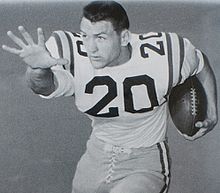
(207, 79)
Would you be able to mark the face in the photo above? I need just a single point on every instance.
(102, 43)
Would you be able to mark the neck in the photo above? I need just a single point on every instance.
(124, 56)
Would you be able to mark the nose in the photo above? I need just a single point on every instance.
(92, 46)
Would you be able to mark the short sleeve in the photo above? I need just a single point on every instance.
(193, 61)
(64, 80)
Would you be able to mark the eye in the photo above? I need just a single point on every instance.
(101, 38)
(83, 36)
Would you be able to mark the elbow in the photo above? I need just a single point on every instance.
(207, 70)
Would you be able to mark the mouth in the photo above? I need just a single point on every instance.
(95, 58)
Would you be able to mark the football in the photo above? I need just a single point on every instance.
(187, 104)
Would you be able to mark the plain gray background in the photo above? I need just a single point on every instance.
(42, 140)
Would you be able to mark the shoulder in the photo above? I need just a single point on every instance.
(155, 36)
(143, 36)
(61, 42)
(64, 37)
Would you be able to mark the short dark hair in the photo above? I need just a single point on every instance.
(108, 11)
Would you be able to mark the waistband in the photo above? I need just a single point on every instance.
(118, 149)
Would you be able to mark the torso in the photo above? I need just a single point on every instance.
(126, 103)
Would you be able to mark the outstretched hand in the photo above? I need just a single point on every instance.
(34, 55)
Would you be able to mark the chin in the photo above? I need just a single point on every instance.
(98, 65)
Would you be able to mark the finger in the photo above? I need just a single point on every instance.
(188, 137)
(17, 40)
(41, 38)
(199, 134)
(62, 61)
(26, 35)
(192, 138)
(11, 50)
(206, 123)
(203, 131)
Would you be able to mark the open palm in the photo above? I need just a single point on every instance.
(34, 55)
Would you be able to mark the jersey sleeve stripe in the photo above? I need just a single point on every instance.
(182, 54)
(72, 70)
(176, 56)
(63, 46)
(59, 44)
(170, 63)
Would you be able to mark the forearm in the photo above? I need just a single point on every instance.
(207, 78)
(41, 81)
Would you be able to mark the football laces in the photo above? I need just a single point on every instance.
(194, 101)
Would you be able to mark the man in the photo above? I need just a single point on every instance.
(121, 81)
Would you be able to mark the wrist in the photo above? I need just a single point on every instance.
(39, 71)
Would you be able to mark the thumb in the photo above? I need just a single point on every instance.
(62, 61)
(199, 124)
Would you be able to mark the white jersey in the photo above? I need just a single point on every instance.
(126, 103)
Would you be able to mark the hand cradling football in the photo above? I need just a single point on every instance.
(187, 104)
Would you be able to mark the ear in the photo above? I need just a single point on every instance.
(125, 37)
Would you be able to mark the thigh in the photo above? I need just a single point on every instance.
(88, 175)
(91, 170)
(139, 183)
(149, 171)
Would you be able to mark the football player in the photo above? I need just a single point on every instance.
(122, 81)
